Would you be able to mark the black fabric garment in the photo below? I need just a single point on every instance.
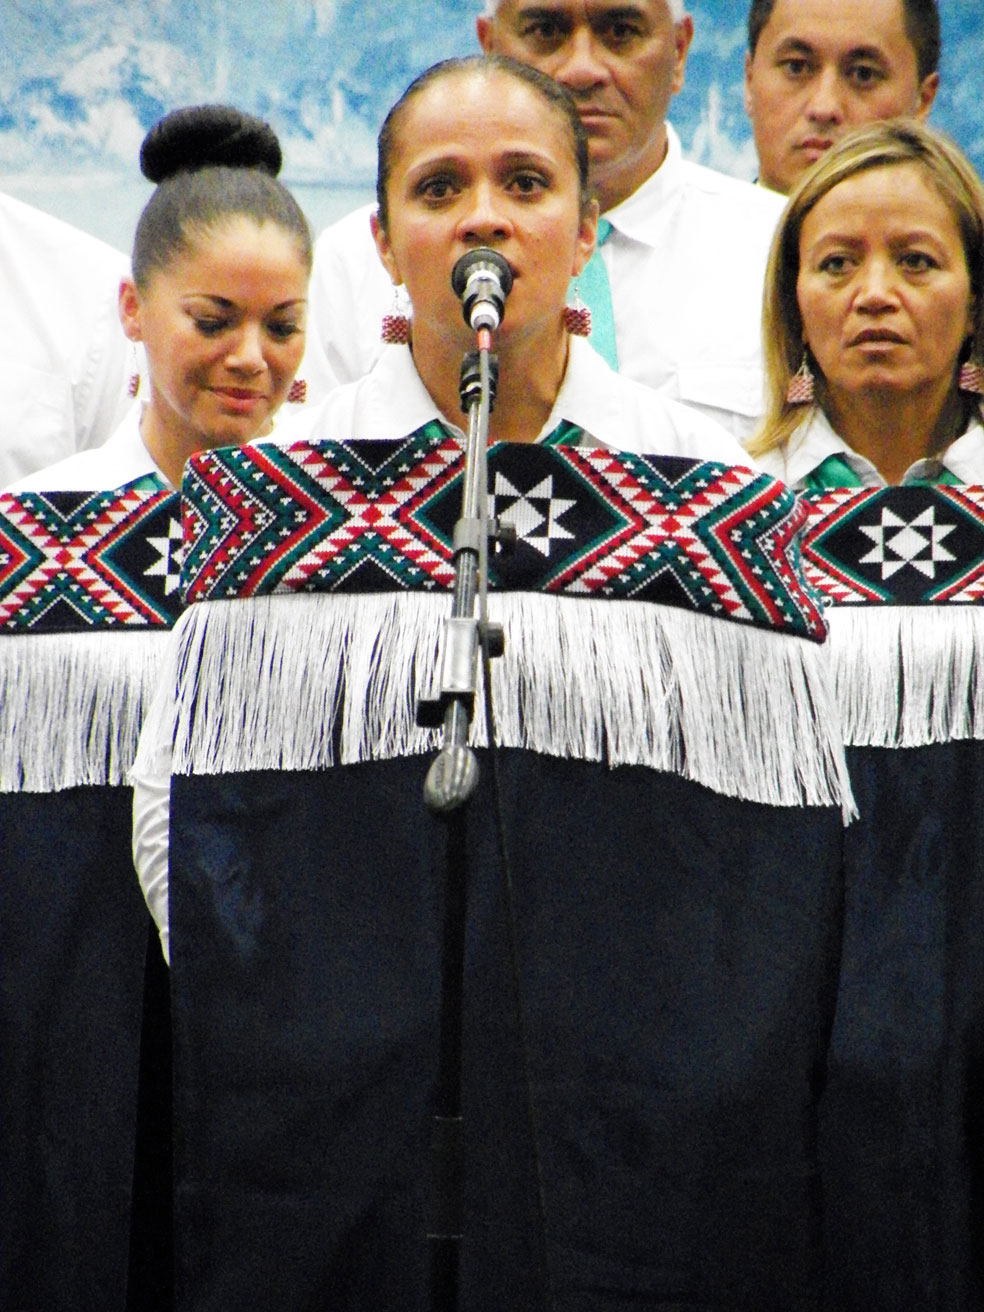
(679, 954)
(73, 949)
(902, 1138)
(150, 1281)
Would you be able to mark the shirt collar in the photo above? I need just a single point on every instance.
(395, 377)
(964, 458)
(642, 215)
(394, 401)
(815, 440)
(126, 447)
(587, 397)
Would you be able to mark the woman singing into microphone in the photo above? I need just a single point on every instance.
(660, 788)
(489, 152)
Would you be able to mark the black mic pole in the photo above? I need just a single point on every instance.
(482, 279)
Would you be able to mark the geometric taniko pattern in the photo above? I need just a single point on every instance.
(911, 546)
(898, 543)
(378, 516)
(89, 560)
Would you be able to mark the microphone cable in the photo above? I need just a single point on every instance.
(512, 944)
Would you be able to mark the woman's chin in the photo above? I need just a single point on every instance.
(879, 381)
(235, 430)
(530, 334)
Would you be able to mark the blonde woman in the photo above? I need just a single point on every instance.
(873, 319)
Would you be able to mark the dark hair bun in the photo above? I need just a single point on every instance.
(203, 135)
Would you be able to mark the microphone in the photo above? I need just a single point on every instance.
(481, 279)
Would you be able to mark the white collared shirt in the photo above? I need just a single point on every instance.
(64, 361)
(117, 463)
(391, 402)
(686, 264)
(815, 440)
(686, 261)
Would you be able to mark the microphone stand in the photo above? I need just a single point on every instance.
(451, 781)
(453, 775)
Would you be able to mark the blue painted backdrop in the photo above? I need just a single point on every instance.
(82, 80)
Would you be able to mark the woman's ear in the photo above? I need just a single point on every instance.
(129, 307)
(586, 234)
(384, 250)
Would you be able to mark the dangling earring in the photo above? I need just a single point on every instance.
(801, 386)
(396, 324)
(577, 317)
(297, 392)
(133, 382)
(971, 378)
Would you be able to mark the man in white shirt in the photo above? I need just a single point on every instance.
(685, 257)
(65, 361)
(814, 69)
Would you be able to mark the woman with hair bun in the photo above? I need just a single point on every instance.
(217, 296)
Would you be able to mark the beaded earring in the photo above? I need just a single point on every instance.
(297, 392)
(577, 317)
(801, 388)
(133, 382)
(396, 324)
(971, 378)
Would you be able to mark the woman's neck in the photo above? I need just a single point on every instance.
(894, 430)
(530, 375)
(168, 455)
(171, 448)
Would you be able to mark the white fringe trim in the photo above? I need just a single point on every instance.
(908, 676)
(72, 706)
(744, 711)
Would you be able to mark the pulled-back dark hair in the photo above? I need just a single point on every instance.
(554, 96)
(922, 27)
(210, 163)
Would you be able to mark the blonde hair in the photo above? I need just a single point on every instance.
(878, 145)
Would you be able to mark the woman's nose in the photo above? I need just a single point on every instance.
(484, 218)
(876, 284)
(247, 354)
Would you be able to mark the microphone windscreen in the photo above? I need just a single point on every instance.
(482, 258)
